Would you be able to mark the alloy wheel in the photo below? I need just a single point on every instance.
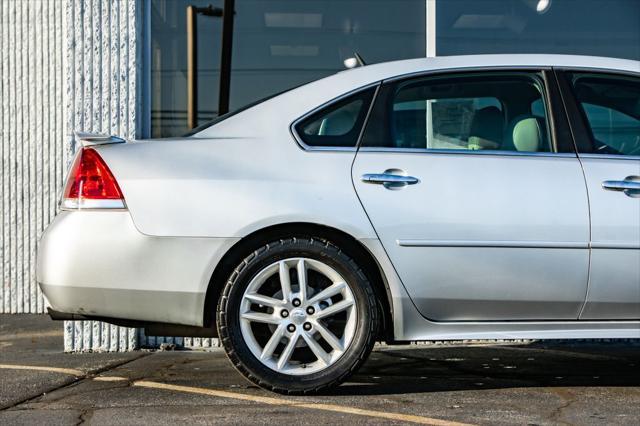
(298, 316)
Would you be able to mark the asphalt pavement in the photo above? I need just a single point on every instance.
(539, 383)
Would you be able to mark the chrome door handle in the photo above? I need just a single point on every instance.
(391, 179)
(630, 186)
(620, 185)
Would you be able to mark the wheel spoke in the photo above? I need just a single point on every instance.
(302, 279)
(277, 321)
(328, 292)
(317, 350)
(288, 351)
(264, 300)
(335, 308)
(260, 317)
(272, 343)
(329, 336)
(285, 280)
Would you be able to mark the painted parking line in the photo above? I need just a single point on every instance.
(399, 417)
(70, 371)
(314, 406)
(109, 379)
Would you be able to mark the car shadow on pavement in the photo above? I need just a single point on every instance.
(441, 368)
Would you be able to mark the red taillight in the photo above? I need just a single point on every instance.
(89, 181)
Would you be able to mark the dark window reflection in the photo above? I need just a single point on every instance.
(277, 44)
(169, 65)
(585, 27)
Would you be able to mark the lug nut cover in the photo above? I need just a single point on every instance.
(284, 313)
(291, 328)
(307, 326)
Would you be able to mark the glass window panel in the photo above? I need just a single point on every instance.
(283, 43)
(337, 125)
(277, 44)
(169, 65)
(611, 106)
(585, 27)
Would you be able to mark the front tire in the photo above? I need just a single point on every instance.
(297, 316)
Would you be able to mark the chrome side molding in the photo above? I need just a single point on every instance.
(494, 244)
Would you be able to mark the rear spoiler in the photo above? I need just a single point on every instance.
(91, 139)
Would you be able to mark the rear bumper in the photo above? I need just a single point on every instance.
(150, 328)
(97, 264)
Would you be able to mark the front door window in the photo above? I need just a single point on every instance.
(611, 107)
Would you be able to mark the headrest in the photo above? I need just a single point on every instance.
(338, 123)
(527, 135)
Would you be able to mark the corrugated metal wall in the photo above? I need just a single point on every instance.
(32, 134)
(103, 64)
(65, 65)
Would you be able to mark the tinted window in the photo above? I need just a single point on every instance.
(493, 112)
(337, 125)
(611, 106)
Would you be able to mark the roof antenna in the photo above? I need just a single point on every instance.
(355, 61)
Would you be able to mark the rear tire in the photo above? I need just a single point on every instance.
(291, 338)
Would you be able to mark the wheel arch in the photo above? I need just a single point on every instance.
(350, 245)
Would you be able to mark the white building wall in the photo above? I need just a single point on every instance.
(32, 134)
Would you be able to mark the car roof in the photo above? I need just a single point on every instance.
(409, 66)
(289, 106)
(325, 89)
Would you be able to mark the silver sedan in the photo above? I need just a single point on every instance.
(478, 197)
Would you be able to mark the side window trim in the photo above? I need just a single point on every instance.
(580, 133)
(301, 144)
(561, 136)
(556, 119)
(489, 152)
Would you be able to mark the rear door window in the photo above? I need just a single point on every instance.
(497, 112)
